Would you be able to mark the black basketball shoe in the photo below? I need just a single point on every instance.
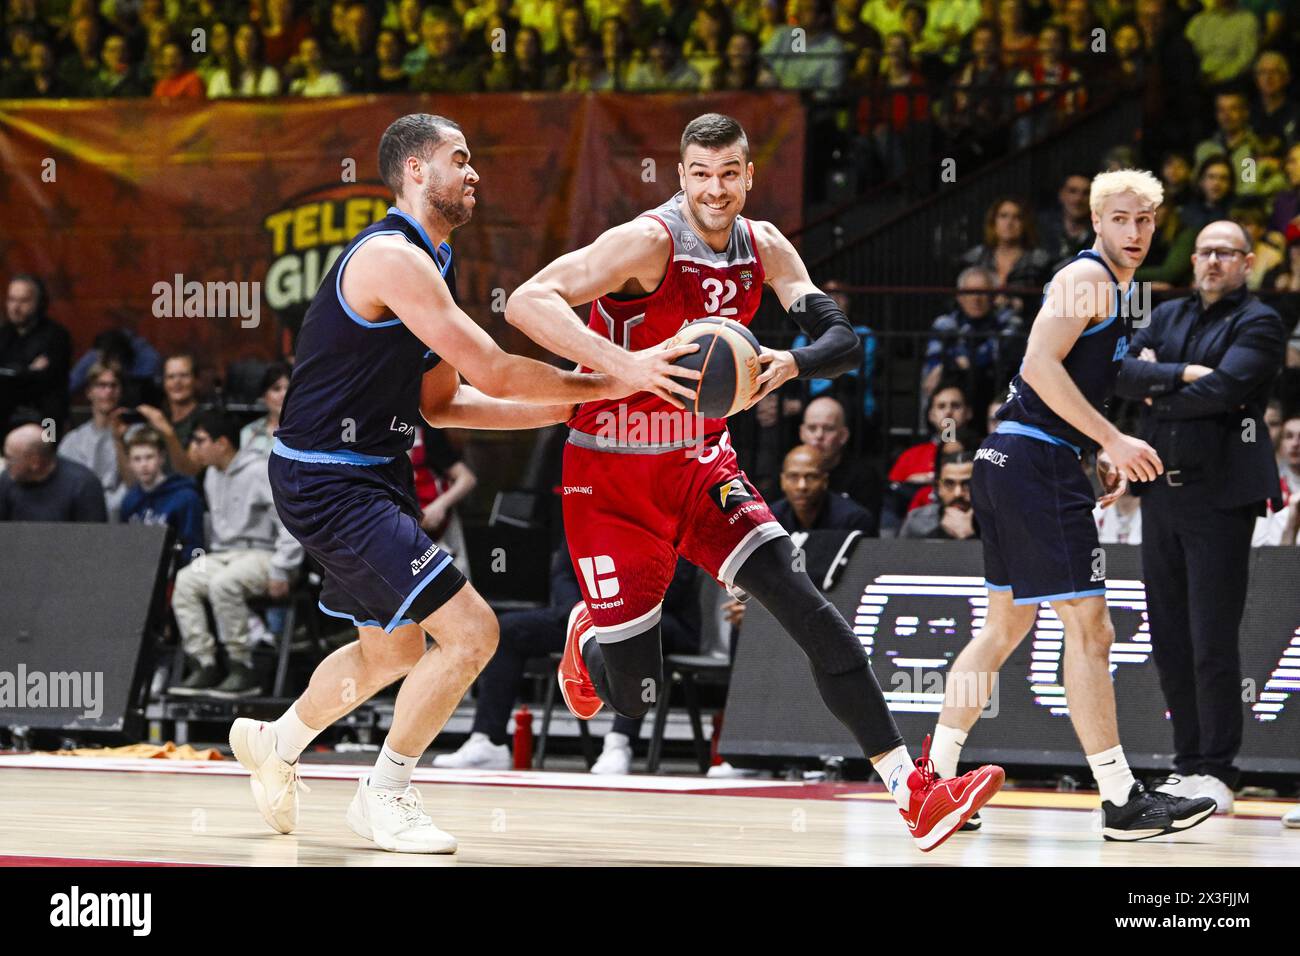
(1150, 814)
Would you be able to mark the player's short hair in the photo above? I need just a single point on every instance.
(218, 425)
(146, 437)
(1140, 182)
(415, 134)
(714, 131)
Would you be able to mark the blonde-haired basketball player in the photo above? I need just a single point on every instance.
(1034, 506)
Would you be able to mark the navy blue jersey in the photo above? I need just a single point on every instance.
(354, 395)
(1093, 363)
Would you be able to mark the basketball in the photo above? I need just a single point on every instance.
(727, 361)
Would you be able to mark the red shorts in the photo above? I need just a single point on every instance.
(628, 516)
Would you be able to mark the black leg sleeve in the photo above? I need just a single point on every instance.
(840, 665)
(628, 674)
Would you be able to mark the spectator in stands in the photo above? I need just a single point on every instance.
(80, 68)
(312, 78)
(1169, 260)
(95, 443)
(390, 76)
(1267, 255)
(1273, 419)
(38, 80)
(1286, 203)
(219, 52)
(1176, 177)
(544, 17)
(1274, 112)
(825, 430)
(355, 61)
(1131, 57)
(641, 20)
(740, 67)
(675, 18)
(138, 362)
(245, 74)
(249, 555)
(813, 58)
(1288, 457)
(176, 425)
(1010, 248)
(1066, 229)
(584, 69)
(525, 69)
(980, 104)
(116, 77)
(284, 28)
(1121, 523)
(409, 15)
(1286, 277)
(155, 497)
(662, 70)
(809, 504)
(478, 16)
(38, 485)
(1173, 78)
(883, 16)
(948, 23)
(446, 68)
(574, 34)
(968, 341)
(1018, 45)
(177, 81)
(952, 516)
(259, 435)
(1053, 89)
(891, 109)
(536, 633)
(1234, 139)
(1225, 38)
(912, 473)
(35, 352)
(1214, 180)
(706, 44)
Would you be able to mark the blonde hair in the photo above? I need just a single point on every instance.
(1141, 183)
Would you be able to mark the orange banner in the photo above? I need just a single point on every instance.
(137, 212)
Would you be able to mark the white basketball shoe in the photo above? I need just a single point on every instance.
(395, 820)
(275, 784)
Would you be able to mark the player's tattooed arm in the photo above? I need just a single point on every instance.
(631, 258)
(394, 277)
(447, 402)
(1068, 308)
(833, 347)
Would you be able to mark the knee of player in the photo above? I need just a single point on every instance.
(479, 637)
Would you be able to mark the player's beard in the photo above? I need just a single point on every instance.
(455, 212)
(710, 219)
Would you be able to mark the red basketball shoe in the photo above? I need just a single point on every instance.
(575, 683)
(940, 806)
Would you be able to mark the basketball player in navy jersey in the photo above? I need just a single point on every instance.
(633, 504)
(382, 343)
(1034, 505)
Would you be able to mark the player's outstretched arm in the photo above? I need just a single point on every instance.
(1068, 306)
(390, 272)
(446, 402)
(833, 347)
(543, 307)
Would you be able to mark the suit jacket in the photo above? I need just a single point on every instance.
(1212, 429)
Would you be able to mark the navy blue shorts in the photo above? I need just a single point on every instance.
(361, 523)
(1034, 504)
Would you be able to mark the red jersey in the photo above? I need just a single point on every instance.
(699, 283)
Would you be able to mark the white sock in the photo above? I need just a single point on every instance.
(392, 770)
(613, 741)
(945, 749)
(292, 736)
(896, 769)
(1114, 779)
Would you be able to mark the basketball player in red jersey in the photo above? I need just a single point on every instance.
(637, 495)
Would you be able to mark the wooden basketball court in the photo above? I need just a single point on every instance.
(57, 809)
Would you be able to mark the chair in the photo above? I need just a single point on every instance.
(545, 666)
(689, 670)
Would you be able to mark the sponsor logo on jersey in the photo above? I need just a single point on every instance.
(730, 495)
(423, 559)
(598, 575)
(992, 456)
(746, 278)
(687, 239)
(691, 269)
(577, 489)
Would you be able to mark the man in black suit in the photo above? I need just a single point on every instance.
(1204, 366)
(809, 504)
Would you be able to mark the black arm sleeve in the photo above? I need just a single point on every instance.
(834, 347)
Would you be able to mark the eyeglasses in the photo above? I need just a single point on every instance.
(1222, 254)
